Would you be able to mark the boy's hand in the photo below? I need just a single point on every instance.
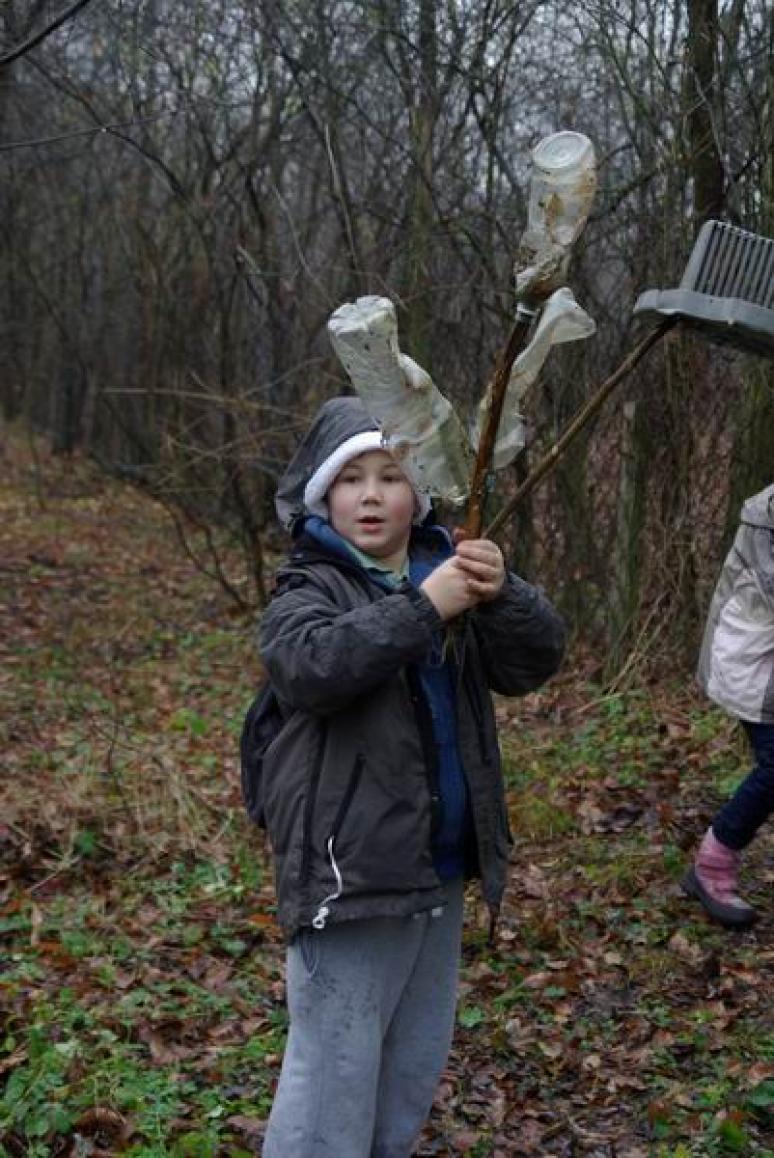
(475, 574)
(448, 589)
(482, 562)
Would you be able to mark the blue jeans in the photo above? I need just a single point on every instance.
(753, 802)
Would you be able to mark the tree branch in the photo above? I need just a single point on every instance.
(34, 40)
(549, 460)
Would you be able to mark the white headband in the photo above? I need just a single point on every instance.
(323, 478)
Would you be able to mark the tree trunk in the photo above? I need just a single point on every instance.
(753, 463)
(630, 524)
(703, 128)
(419, 240)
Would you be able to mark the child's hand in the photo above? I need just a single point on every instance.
(482, 562)
(474, 575)
(449, 589)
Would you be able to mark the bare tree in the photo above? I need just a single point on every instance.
(189, 190)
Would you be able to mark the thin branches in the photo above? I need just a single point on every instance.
(38, 37)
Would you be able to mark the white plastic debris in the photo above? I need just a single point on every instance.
(418, 424)
(562, 188)
(562, 320)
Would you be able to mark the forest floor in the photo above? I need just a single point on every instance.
(141, 983)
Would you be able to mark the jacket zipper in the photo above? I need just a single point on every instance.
(478, 715)
(323, 912)
(424, 724)
(465, 677)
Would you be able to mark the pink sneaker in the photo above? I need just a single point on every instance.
(713, 880)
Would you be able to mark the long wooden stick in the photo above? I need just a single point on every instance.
(517, 340)
(549, 461)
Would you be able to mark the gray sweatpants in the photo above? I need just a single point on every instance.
(371, 1008)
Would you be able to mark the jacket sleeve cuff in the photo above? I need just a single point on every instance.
(423, 606)
(513, 587)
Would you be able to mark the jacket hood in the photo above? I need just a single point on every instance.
(758, 511)
(337, 420)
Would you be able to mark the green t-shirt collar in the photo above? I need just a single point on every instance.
(369, 563)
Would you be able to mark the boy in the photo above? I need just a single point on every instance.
(736, 670)
(383, 791)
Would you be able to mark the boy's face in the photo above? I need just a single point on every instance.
(371, 504)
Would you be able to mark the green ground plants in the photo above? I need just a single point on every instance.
(141, 985)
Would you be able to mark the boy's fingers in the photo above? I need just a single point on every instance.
(471, 563)
(484, 579)
(471, 577)
(480, 567)
(489, 543)
(468, 545)
(478, 549)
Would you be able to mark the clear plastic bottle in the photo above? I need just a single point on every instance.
(562, 188)
(418, 424)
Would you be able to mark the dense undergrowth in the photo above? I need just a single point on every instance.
(141, 993)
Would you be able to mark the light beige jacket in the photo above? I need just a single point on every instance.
(736, 663)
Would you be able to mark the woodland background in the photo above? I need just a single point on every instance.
(189, 189)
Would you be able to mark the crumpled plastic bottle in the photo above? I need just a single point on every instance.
(419, 425)
(562, 188)
(562, 320)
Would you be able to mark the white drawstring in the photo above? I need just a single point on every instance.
(321, 916)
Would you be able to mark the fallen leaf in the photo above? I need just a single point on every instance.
(36, 924)
(13, 1060)
(251, 1127)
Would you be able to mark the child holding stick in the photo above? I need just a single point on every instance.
(383, 789)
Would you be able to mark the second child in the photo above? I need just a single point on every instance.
(736, 670)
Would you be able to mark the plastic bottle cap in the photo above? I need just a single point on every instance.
(562, 151)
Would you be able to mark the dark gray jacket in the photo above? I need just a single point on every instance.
(349, 785)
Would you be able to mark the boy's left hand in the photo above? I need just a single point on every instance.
(482, 562)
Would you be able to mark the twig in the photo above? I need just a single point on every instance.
(549, 461)
(342, 197)
(38, 37)
(590, 1137)
(515, 344)
(22, 832)
(640, 648)
(66, 863)
(37, 470)
(218, 574)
